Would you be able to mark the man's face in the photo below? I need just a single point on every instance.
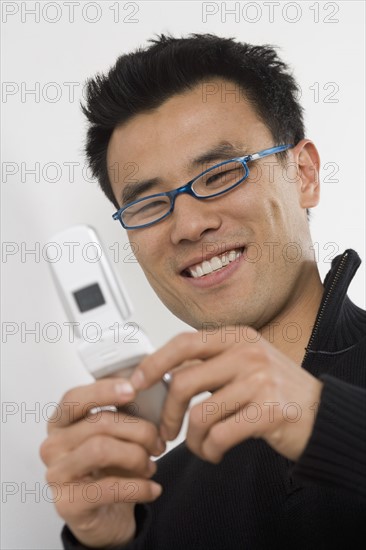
(257, 220)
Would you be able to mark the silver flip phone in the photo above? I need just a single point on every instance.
(94, 299)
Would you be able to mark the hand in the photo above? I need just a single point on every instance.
(257, 392)
(99, 464)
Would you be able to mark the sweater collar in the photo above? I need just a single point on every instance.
(339, 323)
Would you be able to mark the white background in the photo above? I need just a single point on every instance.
(322, 41)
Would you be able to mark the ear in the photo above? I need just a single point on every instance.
(306, 156)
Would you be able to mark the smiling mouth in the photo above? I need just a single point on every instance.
(216, 263)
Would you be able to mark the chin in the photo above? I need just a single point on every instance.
(216, 319)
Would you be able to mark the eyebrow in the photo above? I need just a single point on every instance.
(223, 151)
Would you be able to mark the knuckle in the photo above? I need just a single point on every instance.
(44, 451)
(99, 449)
(74, 396)
(179, 385)
(261, 378)
(104, 422)
(64, 504)
(265, 382)
(48, 449)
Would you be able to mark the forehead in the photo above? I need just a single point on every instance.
(186, 125)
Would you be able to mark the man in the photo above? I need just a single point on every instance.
(275, 456)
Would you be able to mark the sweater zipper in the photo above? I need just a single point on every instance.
(315, 330)
(316, 327)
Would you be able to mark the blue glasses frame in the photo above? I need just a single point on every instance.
(187, 188)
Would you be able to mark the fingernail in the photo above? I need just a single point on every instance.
(137, 379)
(124, 388)
(156, 489)
(160, 446)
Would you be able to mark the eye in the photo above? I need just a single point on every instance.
(225, 177)
(145, 210)
(150, 206)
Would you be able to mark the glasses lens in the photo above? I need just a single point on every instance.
(146, 211)
(219, 179)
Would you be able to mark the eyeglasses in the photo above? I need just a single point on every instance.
(214, 181)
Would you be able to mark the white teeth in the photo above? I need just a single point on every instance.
(225, 260)
(232, 255)
(215, 263)
(207, 268)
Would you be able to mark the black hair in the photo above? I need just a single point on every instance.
(142, 80)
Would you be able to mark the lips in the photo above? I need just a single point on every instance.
(213, 263)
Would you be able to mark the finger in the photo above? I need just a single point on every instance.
(187, 346)
(186, 383)
(77, 498)
(223, 436)
(234, 403)
(204, 376)
(98, 453)
(114, 424)
(77, 402)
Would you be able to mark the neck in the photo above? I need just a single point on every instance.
(290, 331)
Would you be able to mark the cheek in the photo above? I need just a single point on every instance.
(276, 206)
(146, 246)
(149, 252)
(274, 212)
(277, 225)
(257, 208)
(148, 262)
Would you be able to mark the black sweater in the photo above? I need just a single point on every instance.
(256, 499)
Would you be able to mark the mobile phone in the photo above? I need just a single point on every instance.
(99, 308)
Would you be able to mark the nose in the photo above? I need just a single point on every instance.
(192, 218)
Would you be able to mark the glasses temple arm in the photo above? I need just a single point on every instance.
(269, 151)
